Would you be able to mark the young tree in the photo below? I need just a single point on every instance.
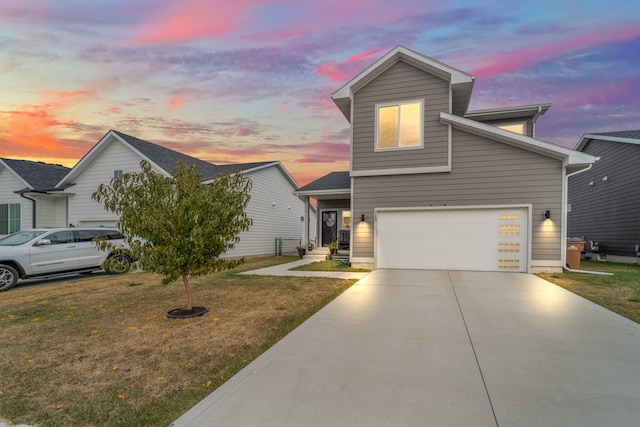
(178, 226)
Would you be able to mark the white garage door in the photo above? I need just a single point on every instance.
(456, 239)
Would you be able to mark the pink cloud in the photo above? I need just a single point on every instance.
(341, 72)
(176, 100)
(523, 58)
(195, 19)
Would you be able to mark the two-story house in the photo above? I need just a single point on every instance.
(435, 186)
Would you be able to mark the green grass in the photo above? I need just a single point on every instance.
(101, 351)
(329, 265)
(619, 293)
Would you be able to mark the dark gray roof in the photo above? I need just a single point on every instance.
(633, 134)
(166, 158)
(332, 181)
(39, 176)
(241, 166)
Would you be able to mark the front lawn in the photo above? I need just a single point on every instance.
(328, 265)
(101, 352)
(619, 293)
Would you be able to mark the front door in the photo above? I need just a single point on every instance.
(329, 227)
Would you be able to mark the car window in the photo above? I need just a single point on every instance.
(20, 237)
(60, 237)
(87, 235)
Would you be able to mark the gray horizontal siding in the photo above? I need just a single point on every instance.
(400, 82)
(501, 175)
(608, 211)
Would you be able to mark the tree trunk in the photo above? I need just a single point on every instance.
(187, 289)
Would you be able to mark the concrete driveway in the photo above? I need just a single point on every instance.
(438, 348)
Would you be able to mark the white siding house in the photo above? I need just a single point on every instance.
(275, 210)
(28, 197)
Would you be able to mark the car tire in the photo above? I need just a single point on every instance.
(117, 264)
(8, 277)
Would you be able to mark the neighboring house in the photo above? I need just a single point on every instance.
(605, 200)
(434, 186)
(28, 197)
(34, 194)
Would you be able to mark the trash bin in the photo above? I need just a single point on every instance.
(574, 249)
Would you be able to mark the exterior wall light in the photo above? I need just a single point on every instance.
(363, 218)
(546, 215)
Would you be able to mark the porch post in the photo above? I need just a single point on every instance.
(305, 237)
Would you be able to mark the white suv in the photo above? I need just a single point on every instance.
(54, 251)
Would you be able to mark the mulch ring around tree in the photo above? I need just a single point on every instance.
(182, 313)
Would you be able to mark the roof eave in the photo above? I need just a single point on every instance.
(458, 79)
(589, 136)
(569, 156)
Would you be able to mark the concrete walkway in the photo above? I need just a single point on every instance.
(438, 348)
(284, 270)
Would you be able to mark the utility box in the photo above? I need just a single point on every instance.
(574, 250)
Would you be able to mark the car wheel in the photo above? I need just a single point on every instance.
(8, 277)
(117, 264)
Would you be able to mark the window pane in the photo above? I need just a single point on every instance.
(410, 125)
(4, 219)
(517, 128)
(388, 126)
(14, 217)
(60, 237)
(346, 219)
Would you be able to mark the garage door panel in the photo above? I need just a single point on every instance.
(464, 239)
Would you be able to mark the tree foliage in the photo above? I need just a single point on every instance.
(178, 226)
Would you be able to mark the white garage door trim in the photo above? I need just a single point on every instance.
(488, 248)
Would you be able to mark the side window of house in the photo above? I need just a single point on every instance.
(346, 219)
(400, 125)
(9, 218)
(513, 127)
(117, 174)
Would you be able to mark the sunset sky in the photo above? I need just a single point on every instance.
(232, 81)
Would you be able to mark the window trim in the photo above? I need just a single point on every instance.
(12, 219)
(419, 101)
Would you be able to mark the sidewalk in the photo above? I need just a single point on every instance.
(284, 270)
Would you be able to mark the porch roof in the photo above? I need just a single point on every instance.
(335, 185)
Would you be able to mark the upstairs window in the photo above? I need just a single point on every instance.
(399, 125)
(513, 127)
(117, 174)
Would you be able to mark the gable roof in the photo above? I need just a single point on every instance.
(37, 176)
(461, 82)
(163, 159)
(166, 158)
(573, 160)
(332, 184)
(626, 136)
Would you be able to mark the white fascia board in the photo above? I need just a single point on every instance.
(456, 76)
(277, 164)
(15, 174)
(533, 109)
(569, 156)
(333, 192)
(587, 136)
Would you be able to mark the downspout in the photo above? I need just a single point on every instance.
(564, 221)
(33, 208)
